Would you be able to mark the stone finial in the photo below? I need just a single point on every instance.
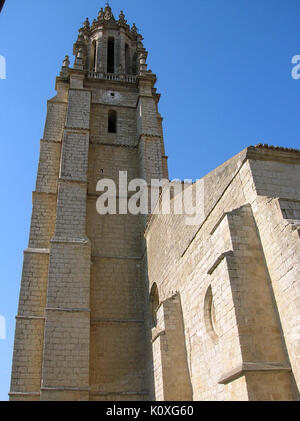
(122, 18)
(101, 15)
(79, 60)
(80, 38)
(79, 54)
(66, 62)
(143, 64)
(65, 67)
(134, 29)
(87, 23)
(108, 15)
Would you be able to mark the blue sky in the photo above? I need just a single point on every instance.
(224, 71)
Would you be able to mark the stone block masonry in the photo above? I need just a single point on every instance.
(129, 307)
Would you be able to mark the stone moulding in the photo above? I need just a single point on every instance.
(156, 335)
(24, 394)
(36, 251)
(223, 256)
(248, 367)
(65, 389)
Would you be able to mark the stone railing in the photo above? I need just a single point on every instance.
(112, 76)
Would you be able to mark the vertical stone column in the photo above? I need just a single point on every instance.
(103, 54)
(150, 149)
(150, 157)
(122, 49)
(148, 131)
(264, 365)
(171, 372)
(28, 347)
(99, 50)
(65, 368)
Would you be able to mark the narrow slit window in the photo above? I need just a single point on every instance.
(127, 59)
(95, 55)
(134, 64)
(112, 121)
(111, 55)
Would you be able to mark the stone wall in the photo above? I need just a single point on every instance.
(237, 277)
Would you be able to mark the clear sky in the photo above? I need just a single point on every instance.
(224, 71)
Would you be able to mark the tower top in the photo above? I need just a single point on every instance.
(107, 20)
(109, 48)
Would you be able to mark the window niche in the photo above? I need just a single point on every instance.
(112, 121)
(211, 322)
(154, 303)
(111, 55)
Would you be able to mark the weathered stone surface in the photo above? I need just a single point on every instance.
(125, 307)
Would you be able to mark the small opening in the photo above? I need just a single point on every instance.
(112, 121)
(134, 64)
(112, 94)
(127, 59)
(95, 55)
(154, 303)
(111, 55)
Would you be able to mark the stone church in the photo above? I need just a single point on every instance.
(133, 307)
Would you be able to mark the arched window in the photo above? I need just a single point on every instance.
(154, 303)
(112, 121)
(111, 55)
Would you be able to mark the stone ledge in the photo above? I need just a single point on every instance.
(70, 310)
(252, 367)
(36, 251)
(116, 145)
(77, 241)
(143, 393)
(65, 389)
(157, 335)
(219, 260)
(149, 135)
(30, 318)
(24, 394)
(102, 256)
(103, 320)
(69, 179)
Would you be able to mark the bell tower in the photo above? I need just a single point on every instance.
(82, 326)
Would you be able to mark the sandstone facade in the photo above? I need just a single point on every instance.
(125, 307)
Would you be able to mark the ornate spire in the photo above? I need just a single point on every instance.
(108, 15)
(122, 19)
